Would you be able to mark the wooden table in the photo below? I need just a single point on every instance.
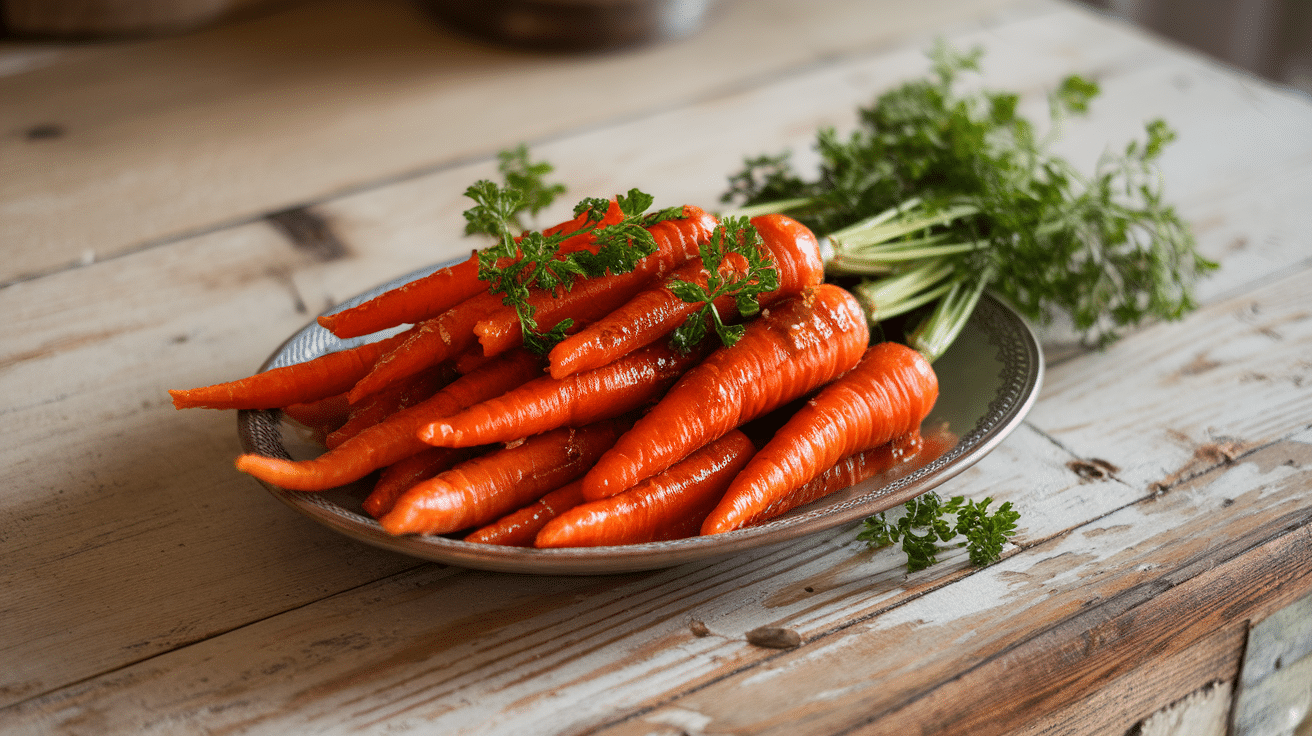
(172, 209)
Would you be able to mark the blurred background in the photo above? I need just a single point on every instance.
(1269, 38)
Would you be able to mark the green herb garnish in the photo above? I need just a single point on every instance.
(736, 266)
(938, 195)
(924, 525)
(514, 266)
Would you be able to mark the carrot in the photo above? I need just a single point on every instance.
(670, 505)
(904, 454)
(299, 383)
(487, 487)
(377, 407)
(323, 416)
(394, 438)
(437, 292)
(887, 395)
(792, 348)
(588, 299)
(519, 528)
(652, 314)
(402, 475)
(431, 341)
(548, 403)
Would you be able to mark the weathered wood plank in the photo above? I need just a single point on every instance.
(1116, 594)
(620, 641)
(88, 438)
(180, 135)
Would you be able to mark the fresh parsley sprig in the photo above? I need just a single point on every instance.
(958, 186)
(516, 266)
(924, 524)
(736, 266)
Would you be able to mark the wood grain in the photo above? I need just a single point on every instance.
(177, 136)
(154, 589)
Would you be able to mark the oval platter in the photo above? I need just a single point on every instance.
(988, 380)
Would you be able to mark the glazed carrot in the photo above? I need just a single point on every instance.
(402, 475)
(519, 528)
(298, 383)
(589, 299)
(670, 505)
(792, 348)
(377, 407)
(887, 395)
(904, 455)
(548, 403)
(654, 313)
(323, 416)
(437, 292)
(429, 342)
(488, 487)
(394, 438)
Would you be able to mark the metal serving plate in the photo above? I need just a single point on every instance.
(988, 380)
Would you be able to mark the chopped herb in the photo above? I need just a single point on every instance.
(924, 525)
(736, 266)
(515, 266)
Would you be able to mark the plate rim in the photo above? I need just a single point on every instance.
(1007, 409)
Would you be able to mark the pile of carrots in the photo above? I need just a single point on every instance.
(614, 437)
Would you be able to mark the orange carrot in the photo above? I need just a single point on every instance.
(394, 438)
(670, 505)
(402, 475)
(437, 292)
(654, 313)
(792, 348)
(548, 403)
(519, 528)
(298, 383)
(904, 455)
(887, 395)
(377, 407)
(589, 299)
(431, 341)
(323, 416)
(488, 487)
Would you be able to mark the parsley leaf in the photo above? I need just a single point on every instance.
(940, 193)
(736, 266)
(519, 266)
(985, 532)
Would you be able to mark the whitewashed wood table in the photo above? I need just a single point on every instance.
(172, 209)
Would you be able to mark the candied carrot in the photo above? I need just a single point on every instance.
(790, 349)
(547, 403)
(394, 438)
(654, 313)
(402, 475)
(887, 395)
(519, 528)
(377, 407)
(904, 454)
(431, 341)
(490, 486)
(677, 241)
(437, 292)
(299, 383)
(323, 416)
(669, 505)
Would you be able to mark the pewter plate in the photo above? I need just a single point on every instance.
(988, 380)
